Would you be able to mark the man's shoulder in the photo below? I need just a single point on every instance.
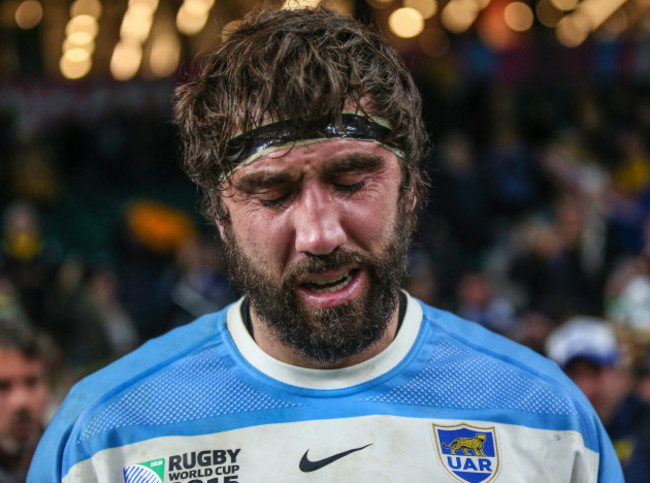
(476, 371)
(156, 356)
(479, 340)
(479, 361)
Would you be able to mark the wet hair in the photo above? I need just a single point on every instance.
(298, 65)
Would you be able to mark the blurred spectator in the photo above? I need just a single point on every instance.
(62, 302)
(23, 398)
(10, 308)
(460, 194)
(33, 175)
(632, 175)
(643, 377)
(510, 172)
(148, 236)
(422, 282)
(104, 329)
(589, 352)
(479, 302)
(627, 291)
(197, 284)
(536, 245)
(102, 303)
(532, 330)
(556, 266)
(631, 306)
(26, 259)
(87, 317)
(573, 167)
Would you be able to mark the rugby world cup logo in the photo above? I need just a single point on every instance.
(147, 472)
(470, 454)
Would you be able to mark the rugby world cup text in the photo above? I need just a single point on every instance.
(208, 466)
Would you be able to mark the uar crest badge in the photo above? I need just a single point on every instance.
(468, 453)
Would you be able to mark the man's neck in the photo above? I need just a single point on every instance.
(268, 341)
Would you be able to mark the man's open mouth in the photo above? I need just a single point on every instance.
(330, 285)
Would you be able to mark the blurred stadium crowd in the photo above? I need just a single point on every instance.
(539, 215)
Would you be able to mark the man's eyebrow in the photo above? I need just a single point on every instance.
(355, 162)
(263, 179)
(252, 182)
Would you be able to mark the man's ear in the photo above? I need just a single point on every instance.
(408, 190)
(412, 199)
(219, 224)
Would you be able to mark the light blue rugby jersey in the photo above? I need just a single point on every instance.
(446, 401)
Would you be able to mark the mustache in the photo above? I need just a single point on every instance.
(316, 264)
(22, 416)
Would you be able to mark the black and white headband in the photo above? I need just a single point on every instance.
(244, 148)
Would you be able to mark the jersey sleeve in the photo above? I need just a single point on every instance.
(48, 463)
(609, 466)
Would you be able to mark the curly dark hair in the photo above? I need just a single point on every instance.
(301, 65)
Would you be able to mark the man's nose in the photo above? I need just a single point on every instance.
(19, 397)
(317, 221)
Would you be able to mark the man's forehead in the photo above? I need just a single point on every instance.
(325, 156)
(14, 357)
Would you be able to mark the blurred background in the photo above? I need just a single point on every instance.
(538, 111)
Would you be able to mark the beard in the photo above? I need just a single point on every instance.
(21, 434)
(325, 334)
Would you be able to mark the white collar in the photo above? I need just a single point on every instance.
(327, 378)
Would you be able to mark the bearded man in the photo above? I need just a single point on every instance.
(303, 131)
(23, 397)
